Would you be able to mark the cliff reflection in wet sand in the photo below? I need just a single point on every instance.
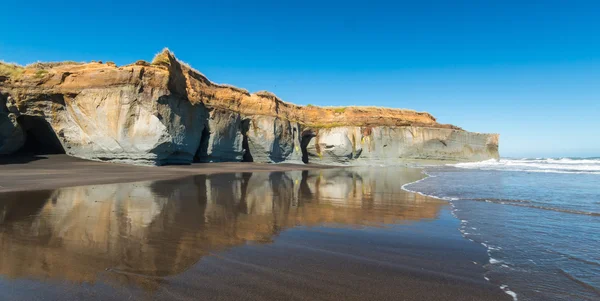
(140, 232)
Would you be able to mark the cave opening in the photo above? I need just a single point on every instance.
(247, 157)
(40, 138)
(202, 151)
(306, 137)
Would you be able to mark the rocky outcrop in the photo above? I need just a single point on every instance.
(165, 112)
(386, 144)
(272, 139)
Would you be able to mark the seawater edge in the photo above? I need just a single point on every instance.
(503, 287)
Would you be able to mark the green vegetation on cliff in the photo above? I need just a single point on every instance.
(10, 70)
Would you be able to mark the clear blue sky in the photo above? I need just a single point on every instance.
(529, 70)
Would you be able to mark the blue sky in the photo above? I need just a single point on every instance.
(529, 70)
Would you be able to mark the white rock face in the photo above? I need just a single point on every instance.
(121, 125)
(273, 140)
(384, 145)
(222, 141)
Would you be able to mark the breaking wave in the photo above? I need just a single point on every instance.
(533, 204)
(548, 165)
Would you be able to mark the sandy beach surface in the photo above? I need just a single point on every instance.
(55, 171)
(77, 230)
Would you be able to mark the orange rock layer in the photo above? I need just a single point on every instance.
(167, 73)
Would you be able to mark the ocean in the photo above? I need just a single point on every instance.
(539, 219)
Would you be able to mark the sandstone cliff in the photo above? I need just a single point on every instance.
(165, 112)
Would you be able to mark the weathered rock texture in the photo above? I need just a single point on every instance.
(12, 137)
(384, 143)
(165, 112)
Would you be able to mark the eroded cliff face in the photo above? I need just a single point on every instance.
(168, 113)
(384, 144)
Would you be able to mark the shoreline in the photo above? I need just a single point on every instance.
(522, 211)
(452, 209)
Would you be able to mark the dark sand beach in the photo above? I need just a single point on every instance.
(79, 230)
(55, 171)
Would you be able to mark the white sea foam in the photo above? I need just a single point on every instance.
(509, 292)
(494, 261)
(404, 187)
(562, 165)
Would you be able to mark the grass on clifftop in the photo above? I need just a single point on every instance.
(326, 125)
(234, 88)
(50, 65)
(15, 71)
(339, 110)
(10, 70)
(266, 94)
(162, 58)
(40, 73)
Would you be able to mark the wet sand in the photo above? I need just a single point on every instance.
(316, 234)
(55, 171)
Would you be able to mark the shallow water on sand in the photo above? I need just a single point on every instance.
(539, 219)
(350, 234)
